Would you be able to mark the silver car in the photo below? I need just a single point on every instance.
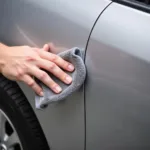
(112, 109)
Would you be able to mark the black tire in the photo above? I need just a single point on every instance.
(15, 105)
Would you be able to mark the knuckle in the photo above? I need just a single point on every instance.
(38, 90)
(24, 66)
(18, 76)
(53, 84)
(30, 58)
(31, 83)
(64, 76)
(19, 73)
(54, 57)
(52, 66)
(43, 75)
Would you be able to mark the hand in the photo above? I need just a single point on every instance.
(20, 63)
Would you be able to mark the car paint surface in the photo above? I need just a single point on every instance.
(118, 81)
(67, 24)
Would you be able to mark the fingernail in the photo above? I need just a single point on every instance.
(58, 89)
(71, 67)
(68, 79)
(41, 93)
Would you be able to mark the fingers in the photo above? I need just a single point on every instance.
(46, 47)
(31, 83)
(45, 78)
(50, 47)
(57, 60)
(55, 70)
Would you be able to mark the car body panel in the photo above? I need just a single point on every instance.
(67, 24)
(118, 81)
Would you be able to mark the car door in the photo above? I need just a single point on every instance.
(67, 24)
(118, 83)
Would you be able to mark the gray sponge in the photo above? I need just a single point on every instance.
(76, 57)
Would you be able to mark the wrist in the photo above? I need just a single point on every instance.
(3, 50)
(2, 46)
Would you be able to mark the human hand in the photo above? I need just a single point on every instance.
(20, 63)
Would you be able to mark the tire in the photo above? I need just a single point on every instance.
(17, 108)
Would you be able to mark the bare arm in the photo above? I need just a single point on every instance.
(22, 62)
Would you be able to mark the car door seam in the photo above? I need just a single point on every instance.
(84, 62)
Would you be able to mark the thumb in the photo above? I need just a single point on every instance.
(46, 48)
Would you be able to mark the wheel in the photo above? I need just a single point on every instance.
(19, 127)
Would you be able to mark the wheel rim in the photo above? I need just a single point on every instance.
(9, 139)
